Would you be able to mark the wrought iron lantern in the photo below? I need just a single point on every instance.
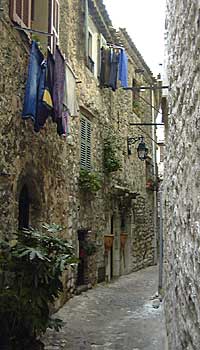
(142, 149)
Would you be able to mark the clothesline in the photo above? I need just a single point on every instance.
(115, 46)
(24, 29)
(50, 90)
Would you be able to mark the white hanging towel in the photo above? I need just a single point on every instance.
(70, 92)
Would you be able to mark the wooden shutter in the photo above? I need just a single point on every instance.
(20, 12)
(85, 160)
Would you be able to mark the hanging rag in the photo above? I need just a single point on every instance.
(105, 66)
(59, 90)
(114, 70)
(70, 98)
(65, 123)
(123, 68)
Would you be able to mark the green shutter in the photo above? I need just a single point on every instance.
(85, 156)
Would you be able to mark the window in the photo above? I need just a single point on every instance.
(93, 46)
(39, 16)
(90, 60)
(85, 155)
(20, 11)
(90, 45)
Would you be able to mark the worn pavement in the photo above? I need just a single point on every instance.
(115, 316)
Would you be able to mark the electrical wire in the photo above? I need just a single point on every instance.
(149, 104)
(144, 100)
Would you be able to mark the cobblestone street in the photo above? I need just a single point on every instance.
(115, 316)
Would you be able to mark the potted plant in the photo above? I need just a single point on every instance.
(151, 185)
(108, 241)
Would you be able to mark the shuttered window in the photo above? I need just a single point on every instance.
(85, 160)
(20, 12)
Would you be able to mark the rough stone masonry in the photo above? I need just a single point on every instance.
(50, 166)
(182, 193)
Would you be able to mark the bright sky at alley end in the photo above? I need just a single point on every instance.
(144, 21)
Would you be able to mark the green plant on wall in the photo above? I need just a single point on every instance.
(89, 248)
(111, 158)
(89, 181)
(138, 107)
(31, 268)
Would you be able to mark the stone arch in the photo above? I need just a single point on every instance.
(30, 198)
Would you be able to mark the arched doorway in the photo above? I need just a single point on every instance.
(24, 208)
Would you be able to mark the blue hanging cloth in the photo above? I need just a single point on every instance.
(36, 85)
(32, 84)
(123, 68)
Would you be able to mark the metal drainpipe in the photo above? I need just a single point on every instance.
(1, 9)
(155, 178)
(160, 276)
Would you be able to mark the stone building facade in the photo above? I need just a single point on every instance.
(41, 171)
(182, 172)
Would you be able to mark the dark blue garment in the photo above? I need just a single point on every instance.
(114, 70)
(42, 111)
(123, 68)
(59, 90)
(33, 82)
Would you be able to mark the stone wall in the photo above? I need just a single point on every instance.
(182, 171)
(50, 166)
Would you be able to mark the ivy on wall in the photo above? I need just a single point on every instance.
(89, 181)
(111, 158)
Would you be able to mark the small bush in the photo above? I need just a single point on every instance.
(89, 181)
(89, 248)
(31, 267)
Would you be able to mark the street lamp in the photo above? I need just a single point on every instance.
(142, 149)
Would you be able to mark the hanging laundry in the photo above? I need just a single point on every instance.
(59, 90)
(114, 69)
(70, 98)
(36, 87)
(105, 66)
(48, 92)
(45, 100)
(65, 123)
(42, 112)
(33, 84)
(123, 68)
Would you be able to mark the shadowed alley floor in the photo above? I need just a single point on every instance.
(115, 316)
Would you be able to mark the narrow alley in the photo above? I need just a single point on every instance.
(112, 316)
